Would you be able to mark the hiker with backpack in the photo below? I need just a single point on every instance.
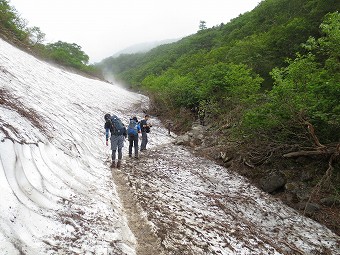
(117, 129)
(133, 131)
(145, 127)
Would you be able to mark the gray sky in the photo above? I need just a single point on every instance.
(104, 27)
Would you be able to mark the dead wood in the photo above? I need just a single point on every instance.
(325, 151)
(319, 150)
(312, 132)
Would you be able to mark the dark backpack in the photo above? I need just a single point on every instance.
(117, 127)
(132, 128)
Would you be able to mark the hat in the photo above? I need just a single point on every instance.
(107, 116)
(135, 119)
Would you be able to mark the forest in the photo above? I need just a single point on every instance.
(271, 70)
(15, 30)
(267, 84)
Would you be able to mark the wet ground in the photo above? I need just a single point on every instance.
(196, 207)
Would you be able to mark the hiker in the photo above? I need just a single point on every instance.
(145, 127)
(133, 131)
(118, 134)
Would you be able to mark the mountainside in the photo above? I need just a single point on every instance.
(142, 47)
(261, 39)
(266, 88)
(58, 195)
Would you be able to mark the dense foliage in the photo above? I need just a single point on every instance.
(308, 89)
(10, 21)
(14, 29)
(270, 70)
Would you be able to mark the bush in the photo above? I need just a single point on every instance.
(306, 90)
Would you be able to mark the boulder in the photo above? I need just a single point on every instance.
(311, 208)
(192, 138)
(273, 182)
(182, 140)
(330, 201)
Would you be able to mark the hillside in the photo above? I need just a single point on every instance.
(261, 39)
(142, 47)
(265, 86)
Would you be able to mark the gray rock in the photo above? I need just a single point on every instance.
(330, 201)
(303, 194)
(311, 208)
(273, 182)
(182, 140)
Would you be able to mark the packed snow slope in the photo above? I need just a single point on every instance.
(58, 195)
(52, 153)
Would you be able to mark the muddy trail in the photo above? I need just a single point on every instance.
(178, 203)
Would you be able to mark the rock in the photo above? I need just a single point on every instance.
(182, 140)
(311, 208)
(192, 138)
(303, 194)
(273, 182)
(228, 164)
(330, 201)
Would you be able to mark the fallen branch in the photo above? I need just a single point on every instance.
(325, 151)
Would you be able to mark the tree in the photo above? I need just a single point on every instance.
(11, 22)
(202, 25)
(68, 54)
(36, 35)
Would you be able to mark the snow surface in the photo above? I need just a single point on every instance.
(57, 192)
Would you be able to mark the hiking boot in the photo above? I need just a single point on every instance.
(130, 155)
(119, 163)
(136, 157)
(113, 164)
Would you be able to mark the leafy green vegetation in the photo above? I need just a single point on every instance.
(308, 89)
(271, 71)
(10, 21)
(15, 30)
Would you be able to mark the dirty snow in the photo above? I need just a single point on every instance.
(59, 197)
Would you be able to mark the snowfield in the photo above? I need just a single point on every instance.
(58, 195)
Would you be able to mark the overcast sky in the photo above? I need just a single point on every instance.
(104, 27)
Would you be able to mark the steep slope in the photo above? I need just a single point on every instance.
(56, 193)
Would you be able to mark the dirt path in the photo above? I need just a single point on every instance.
(147, 241)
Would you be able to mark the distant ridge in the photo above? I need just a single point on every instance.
(143, 47)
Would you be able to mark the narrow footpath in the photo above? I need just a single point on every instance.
(147, 241)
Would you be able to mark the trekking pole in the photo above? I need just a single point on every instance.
(169, 127)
